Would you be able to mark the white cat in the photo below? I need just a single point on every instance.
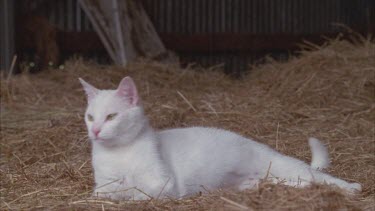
(132, 161)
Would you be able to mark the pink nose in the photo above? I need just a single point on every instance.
(96, 131)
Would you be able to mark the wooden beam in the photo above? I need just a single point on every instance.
(84, 42)
(99, 28)
(223, 42)
(119, 34)
(89, 41)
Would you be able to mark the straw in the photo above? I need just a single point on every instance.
(327, 92)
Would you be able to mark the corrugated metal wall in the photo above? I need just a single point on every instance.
(191, 17)
(255, 16)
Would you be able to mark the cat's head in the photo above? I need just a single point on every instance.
(113, 117)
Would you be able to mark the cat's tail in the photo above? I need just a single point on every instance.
(320, 156)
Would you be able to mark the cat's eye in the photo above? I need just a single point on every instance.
(111, 116)
(90, 117)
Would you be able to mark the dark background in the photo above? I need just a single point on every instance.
(234, 33)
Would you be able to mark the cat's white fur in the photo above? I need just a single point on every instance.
(132, 161)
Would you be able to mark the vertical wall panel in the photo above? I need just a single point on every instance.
(242, 16)
(7, 32)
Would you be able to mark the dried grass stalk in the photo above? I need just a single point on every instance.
(327, 92)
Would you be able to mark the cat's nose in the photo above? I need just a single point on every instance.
(96, 131)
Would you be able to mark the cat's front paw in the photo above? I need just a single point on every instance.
(110, 195)
(354, 188)
(141, 196)
(99, 195)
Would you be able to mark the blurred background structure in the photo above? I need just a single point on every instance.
(325, 89)
(7, 42)
(234, 33)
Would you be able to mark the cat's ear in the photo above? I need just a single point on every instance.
(128, 91)
(90, 90)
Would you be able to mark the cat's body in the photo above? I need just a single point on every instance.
(132, 161)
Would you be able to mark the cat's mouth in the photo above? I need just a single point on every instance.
(104, 142)
(99, 139)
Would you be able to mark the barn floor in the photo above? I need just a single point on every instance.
(328, 92)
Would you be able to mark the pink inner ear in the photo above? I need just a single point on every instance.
(128, 91)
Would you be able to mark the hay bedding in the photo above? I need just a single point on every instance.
(328, 92)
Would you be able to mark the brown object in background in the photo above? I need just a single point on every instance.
(35, 32)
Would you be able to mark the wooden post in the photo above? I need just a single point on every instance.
(125, 29)
(98, 28)
(120, 41)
